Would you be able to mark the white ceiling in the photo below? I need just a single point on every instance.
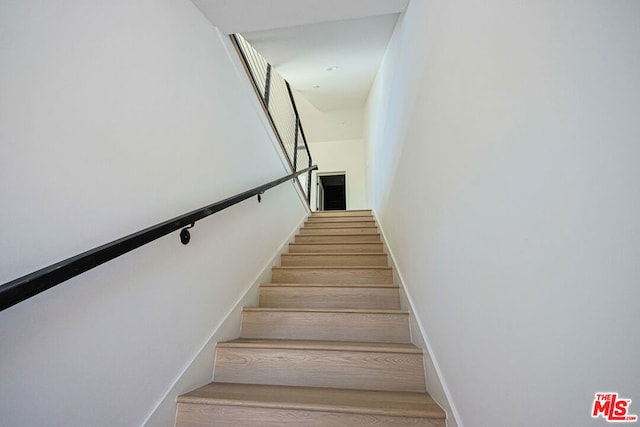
(240, 16)
(303, 38)
(305, 55)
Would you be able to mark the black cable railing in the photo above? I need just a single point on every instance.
(278, 102)
(25, 287)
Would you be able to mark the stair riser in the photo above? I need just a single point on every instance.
(330, 297)
(330, 214)
(195, 415)
(339, 220)
(321, 368)
(336, 247)
(331, 275)
(338, 230)
(288, 260)
(336, 224)
(354, 238)
(368, 327)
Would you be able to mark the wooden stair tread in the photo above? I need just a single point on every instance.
(338, 238)
(343, 235)
(355, 227)
(342, 212)
(390, 403)
(313, 254)
(339, 246)
(334, 274)
(330, 211)
(326, 310)
(331, 297)
(340, 224)
(362, 214)
(288, 344)
(336, 324)
(337, 267)
(342, 364)
(376, 247)
(334, 243)
(334, 259)
(329, 285)
(333, 231)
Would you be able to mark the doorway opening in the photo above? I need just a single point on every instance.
(332, 192)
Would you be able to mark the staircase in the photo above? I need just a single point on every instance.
(327, 345)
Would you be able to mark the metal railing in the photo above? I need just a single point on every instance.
(32, 284)
(279, 105)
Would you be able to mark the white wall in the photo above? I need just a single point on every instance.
(333, 125)
(503, 145)
(115, 116)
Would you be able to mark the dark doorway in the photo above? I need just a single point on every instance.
(332, 194)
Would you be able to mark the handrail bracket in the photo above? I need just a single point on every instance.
(185, 236)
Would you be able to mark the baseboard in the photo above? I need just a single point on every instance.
(436, 387)
(199, 370)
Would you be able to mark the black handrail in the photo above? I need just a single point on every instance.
(18, 290)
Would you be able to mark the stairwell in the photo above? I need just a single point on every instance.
(328, 344)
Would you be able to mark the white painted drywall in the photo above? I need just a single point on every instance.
(433, 375)
(241, 16)
(503, 142)
(331, 125)
(115, 116)
(342, 157)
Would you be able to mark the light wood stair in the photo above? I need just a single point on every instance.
(372, 237)
(328, 344)
(340, 214)
(342, 218)
(307, 274)
(343, 247)
(354, 365)
(354, 222)
(358, 296)
(275, 406)
(316, 231)
(336, 259)
(326, 324)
